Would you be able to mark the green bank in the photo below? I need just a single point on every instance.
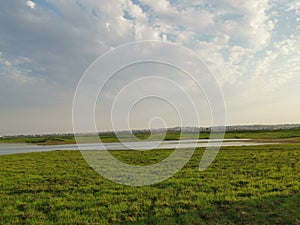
(292, 135)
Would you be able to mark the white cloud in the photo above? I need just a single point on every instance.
(4, 61)
(14, 69)
(286, 46)
(30, 4)
(293, 5)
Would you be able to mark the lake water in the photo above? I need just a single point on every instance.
(7, 149)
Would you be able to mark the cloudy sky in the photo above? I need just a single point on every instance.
(252, 48)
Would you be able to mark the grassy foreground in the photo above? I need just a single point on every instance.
(244, 185)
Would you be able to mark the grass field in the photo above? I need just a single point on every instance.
(244, 185)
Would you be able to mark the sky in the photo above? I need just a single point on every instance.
(251, 47)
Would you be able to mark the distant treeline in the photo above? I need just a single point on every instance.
(237, 128)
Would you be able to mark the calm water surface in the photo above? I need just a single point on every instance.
(7, 149)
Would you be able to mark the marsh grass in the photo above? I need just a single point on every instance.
(244, 185)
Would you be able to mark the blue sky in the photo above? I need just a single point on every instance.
(252, 47)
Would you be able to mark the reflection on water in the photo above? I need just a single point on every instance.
(7, 149)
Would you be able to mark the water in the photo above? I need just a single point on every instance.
(8, 149)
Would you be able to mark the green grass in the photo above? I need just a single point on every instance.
(264, 134)
(43, 140)
(66, 139)
(244, 185)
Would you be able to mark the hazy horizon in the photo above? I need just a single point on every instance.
(141, 129)
(252, 48)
